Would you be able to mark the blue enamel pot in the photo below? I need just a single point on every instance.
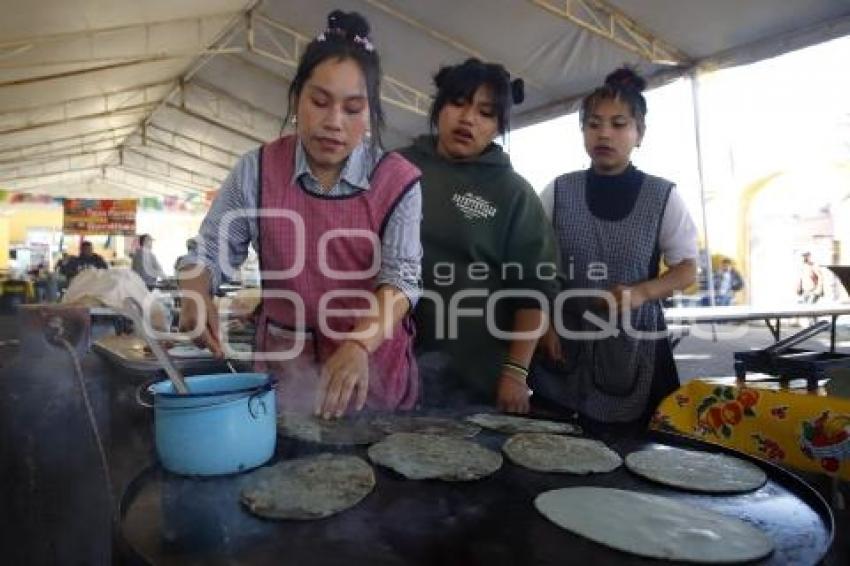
(226, 424)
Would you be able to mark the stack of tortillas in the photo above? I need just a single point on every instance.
(308, 488)
(653, 526)
(696, 471)
(555, 453)
(430, 456)
(510, 424)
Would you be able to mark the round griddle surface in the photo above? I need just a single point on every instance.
(168, 519)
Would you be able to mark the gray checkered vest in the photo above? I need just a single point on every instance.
(609, 378)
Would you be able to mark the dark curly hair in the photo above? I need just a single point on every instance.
(625, 85)
(459, 82)
(346, 37)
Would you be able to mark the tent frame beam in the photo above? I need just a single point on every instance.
(78, 140)
(444, 38)
(214, 122)
(13, 164)
(105, 97)
(134, 59)
(604, 20)
(125, 111)
(223, 94)
(26, 43)
(195, 178)
(183, 186)
(161, 146)
(176, 136)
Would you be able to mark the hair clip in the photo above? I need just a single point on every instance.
(364, 41)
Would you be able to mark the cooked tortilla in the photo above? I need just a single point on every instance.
(392, 424)
(429, 456)
(653, 526)
(348, 431)
(308, 488)
(189, 351)
(696, 471)
(555, 453)
(509, 424)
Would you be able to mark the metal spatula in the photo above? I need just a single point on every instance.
(133, 310)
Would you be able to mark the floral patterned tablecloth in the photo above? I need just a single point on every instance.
(809, 431)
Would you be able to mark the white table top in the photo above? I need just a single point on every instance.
(747, 312)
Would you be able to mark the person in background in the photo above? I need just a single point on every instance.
(727, 282)
(39, 275)
(145, 262)
(61, 271)
(810, 281)
(614, 225)
(86, 260)
(191, 250)
(62, 262)
(484, 232)
(332, 176)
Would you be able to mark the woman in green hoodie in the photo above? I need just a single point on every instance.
(490, 261)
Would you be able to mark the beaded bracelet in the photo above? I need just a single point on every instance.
(515, 367)
(515, 377)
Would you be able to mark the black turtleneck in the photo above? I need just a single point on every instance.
(612, 197)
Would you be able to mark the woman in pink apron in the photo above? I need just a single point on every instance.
(335, 223)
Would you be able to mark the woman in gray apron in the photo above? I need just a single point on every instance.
(609, 357)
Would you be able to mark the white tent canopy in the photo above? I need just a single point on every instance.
(160, 97)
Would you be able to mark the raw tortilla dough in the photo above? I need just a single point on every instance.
(509, 424)
(555, 453)
(392, 424)
(653, 526)
(429, 456)
(696, 471)
(348, 431)
(308, 488)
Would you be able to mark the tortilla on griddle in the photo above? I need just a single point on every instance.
(696, 471)
(314, 487)
(429, 456)
(653, 526)
(392, 424)
(349, 431)
(510, 424)
(556, 453)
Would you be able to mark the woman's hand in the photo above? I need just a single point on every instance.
(194, 313)
(197, 308)
(632, 297)
(512, 394)
(550, 345)
(345, 374)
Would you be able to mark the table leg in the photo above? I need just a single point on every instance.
(832, 334)
(774, 330)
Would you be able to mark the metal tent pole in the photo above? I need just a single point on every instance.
(698, 139)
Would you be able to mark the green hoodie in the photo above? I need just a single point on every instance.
(483, 230)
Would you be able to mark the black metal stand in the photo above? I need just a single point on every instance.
(786, 362)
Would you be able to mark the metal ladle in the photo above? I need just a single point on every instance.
(134, 312)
